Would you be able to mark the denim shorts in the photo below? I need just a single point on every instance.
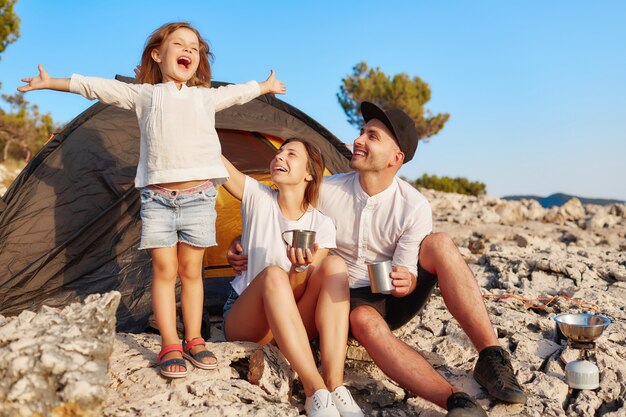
(232, 297)
(172, 216)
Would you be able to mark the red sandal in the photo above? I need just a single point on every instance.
(197, 358)
(170, 362)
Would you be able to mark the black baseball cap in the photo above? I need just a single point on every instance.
(398, 122)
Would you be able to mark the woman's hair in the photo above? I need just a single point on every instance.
(315, 166)
(151, 73)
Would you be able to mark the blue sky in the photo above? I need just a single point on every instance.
(536, 90)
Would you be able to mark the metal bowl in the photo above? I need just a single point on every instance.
(580, 327)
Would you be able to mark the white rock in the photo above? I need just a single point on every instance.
(57, 379)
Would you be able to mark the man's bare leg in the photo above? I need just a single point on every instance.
(396, 359)
(459, 289)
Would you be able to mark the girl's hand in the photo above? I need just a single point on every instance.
(298, 258)
(272, 85)
(44, 81)
(137, 71)
(39, 82)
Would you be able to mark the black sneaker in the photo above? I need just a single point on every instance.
(460, 404)
(494, 372)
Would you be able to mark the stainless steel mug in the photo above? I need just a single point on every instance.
(303, 239)
(380, 281)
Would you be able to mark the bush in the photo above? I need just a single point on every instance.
(450, 185)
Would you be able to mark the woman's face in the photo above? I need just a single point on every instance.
(289, 166)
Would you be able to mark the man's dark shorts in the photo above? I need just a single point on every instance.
(397, 311)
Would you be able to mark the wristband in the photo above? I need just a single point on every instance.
(299, 268)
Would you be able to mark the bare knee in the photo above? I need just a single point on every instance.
(189, 271)
(438, 243)
(333, 264)
(164, 271)
(333, 271)
(436, 248)
(274, 280)
(367, 324)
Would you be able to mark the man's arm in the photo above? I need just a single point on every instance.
(406, 254)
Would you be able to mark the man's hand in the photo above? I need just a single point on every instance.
(235, 256)
(272, 85)
(402, 280)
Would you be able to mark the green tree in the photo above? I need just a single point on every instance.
(399, 91)
(23, 125)
(457, 185)
(9, 25)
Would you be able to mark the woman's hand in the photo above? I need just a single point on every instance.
(272, 85)
(299, 258)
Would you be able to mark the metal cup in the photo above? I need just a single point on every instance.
(380, 281)
(303, 239)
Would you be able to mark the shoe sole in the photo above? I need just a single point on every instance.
(173, 375)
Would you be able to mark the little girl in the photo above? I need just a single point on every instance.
(179, 167)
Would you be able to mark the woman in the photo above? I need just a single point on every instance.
(287, 295)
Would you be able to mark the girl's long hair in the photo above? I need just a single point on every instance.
(315, 165)
(150, 72)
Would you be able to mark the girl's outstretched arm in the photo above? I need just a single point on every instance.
(236, 181)
(272, 85)
(43, 81)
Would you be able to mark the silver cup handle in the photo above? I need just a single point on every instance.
(283, 236)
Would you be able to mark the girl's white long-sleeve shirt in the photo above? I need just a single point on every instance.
(178, 137)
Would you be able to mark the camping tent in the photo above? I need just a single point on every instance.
(70, 226)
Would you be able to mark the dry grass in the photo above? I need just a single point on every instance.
(9, 170)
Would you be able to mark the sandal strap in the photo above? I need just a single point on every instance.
(172, 362)
(202, 355)
(194, 342)
(170, 348)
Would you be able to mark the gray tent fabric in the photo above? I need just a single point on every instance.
(70, 225)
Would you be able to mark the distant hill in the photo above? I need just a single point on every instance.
(559, 199)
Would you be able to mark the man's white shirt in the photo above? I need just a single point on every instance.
(387, 226)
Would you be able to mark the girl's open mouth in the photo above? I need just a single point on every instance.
(184, 61)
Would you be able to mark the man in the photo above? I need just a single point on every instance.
(379, 217)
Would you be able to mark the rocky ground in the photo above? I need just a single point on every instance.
(531, 264)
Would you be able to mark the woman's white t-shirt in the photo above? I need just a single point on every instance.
(262, 227)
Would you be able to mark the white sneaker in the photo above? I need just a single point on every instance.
(321, 404)
(345, 403)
